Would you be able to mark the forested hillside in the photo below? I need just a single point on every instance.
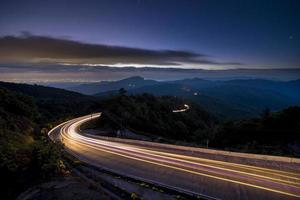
(274, 133)
(54, 103)
(26, 156)
(27, 112)
(226, 99)
(153, 115)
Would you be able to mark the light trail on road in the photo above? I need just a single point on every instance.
(274, 182)
(186, 107)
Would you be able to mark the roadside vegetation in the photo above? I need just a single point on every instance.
(27, 113)
(26, 155)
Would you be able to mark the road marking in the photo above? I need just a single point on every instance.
(71, 124)
(198, 173)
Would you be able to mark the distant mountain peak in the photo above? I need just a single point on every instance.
(104, 86)
(133, 78)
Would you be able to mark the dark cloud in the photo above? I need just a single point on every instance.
(42, 49)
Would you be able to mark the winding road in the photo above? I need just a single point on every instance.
(175, 168)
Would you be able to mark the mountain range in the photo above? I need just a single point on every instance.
(232, 98)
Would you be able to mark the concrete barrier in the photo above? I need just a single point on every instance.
(206, 151)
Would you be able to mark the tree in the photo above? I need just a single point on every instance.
(122, 91)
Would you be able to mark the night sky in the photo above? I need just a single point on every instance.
(187, 34)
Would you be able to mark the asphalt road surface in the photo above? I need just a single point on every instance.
(208, 177)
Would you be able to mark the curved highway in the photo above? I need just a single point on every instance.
(176, 169)
(186, 107)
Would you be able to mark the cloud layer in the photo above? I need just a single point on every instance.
(41, 49)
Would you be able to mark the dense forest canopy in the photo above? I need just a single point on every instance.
(26, 156)
(27, 112)
(274, 133)
(153, 115)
